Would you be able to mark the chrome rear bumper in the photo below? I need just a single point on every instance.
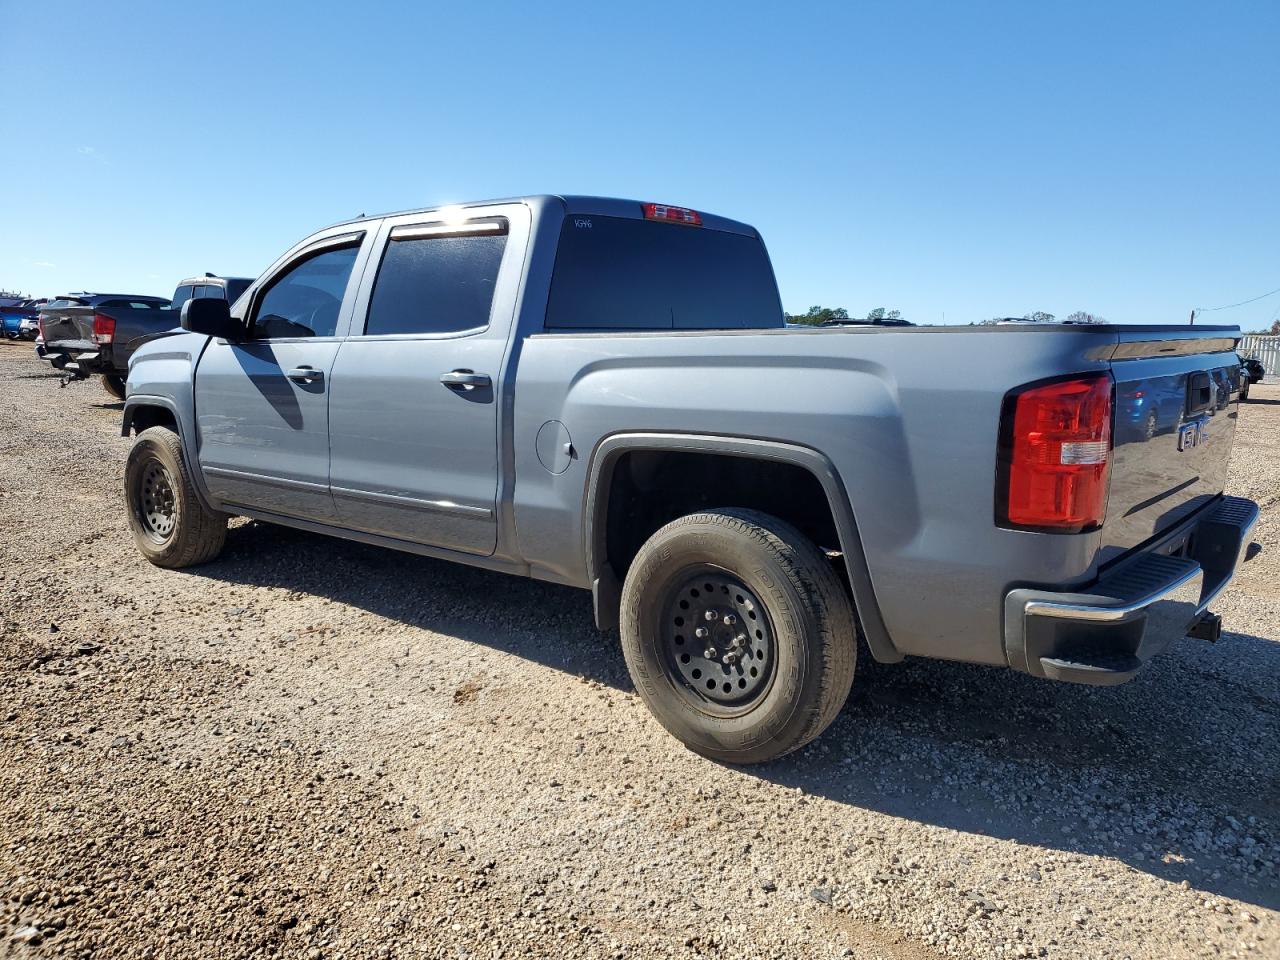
(1106, 633)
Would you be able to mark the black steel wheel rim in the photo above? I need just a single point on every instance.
(155, 502)
(718, 641)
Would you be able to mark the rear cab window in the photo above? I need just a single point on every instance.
(133, 304)
(618, 273)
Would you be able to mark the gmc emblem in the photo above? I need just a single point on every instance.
(1192, 434)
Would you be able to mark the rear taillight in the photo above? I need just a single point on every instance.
(1055, 448)
(669, 214)
(104, 328)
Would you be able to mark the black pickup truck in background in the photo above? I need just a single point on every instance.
(94, 334)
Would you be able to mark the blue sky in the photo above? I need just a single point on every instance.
(962, 159)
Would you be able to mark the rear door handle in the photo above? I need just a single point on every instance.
(305, 374)
(465, 379)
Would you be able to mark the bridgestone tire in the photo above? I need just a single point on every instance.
(809, 612)
(170, 525)
(114, 385)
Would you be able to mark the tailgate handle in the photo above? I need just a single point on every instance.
(1199, 392)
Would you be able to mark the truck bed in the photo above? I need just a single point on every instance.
(910, 418)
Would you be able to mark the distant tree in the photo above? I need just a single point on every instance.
(1082, 316)
(1039, 316)
(1275, 328)
(880, 313)
(817, 316)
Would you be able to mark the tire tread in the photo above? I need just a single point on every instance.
(813, 580)
(201, 533)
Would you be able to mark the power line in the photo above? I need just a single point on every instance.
(1240, 304)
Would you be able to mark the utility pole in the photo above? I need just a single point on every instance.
(1193, 318)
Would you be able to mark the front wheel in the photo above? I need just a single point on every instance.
(1244, 388)
(170, 525)
(738, 634)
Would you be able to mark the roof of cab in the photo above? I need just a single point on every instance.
(209, 278)
(571, 204)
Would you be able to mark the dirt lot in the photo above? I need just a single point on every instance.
(319, 749)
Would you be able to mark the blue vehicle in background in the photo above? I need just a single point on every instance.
(18, 316)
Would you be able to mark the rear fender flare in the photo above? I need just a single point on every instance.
(605, 588)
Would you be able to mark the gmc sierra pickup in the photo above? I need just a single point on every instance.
(603, 393)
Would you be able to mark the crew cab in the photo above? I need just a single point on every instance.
(604, 393)
(94, 334)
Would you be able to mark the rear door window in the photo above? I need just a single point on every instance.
(616, 273)
(433, 280)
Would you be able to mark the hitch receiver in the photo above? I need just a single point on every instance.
(1208, 626)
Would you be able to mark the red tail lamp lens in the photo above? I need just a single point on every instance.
(104, 328)
(1055, 455)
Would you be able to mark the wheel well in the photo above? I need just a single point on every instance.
(647, 489)
(141, 417)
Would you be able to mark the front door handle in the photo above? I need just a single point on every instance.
(305, 374)
(465, 379)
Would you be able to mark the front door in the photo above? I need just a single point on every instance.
(262, 404)
(413, 429)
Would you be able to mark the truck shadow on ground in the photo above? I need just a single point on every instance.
(1174, 774)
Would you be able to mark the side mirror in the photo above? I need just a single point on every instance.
(212, 317)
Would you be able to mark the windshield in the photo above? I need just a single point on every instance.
(617, 273)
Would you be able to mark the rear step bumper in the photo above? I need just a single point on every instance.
(1109, 631)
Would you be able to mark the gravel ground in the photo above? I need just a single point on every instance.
(314, 748)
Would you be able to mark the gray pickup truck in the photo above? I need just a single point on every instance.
(604, 394)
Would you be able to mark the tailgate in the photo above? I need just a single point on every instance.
(1175, 419)
(69, 325)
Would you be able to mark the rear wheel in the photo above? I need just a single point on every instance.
(114, 385)
(738, 634)
(1244, 388)
(170, 525)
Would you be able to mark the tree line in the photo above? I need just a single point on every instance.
(817, 316)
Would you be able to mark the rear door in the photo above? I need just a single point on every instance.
(413, 410)
(1175, 419)
(262, 404)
